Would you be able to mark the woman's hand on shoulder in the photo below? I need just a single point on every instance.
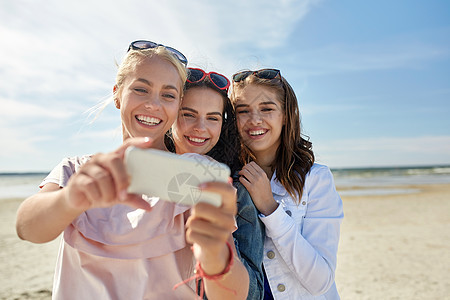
(209, 228)
(103, 181)
(257, 184)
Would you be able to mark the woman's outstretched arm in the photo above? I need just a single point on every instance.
(100, 182)
(209, 228)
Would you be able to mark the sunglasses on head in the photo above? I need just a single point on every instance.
(263, 74)
(219, 80)
(141, 45)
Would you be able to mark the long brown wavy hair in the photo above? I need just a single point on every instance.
(294, 157)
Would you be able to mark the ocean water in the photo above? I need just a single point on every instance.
(383, 181)
(19, 185)
(357, 181)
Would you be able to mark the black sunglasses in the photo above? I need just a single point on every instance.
(141, 45)
(263, 74)
(219, 80)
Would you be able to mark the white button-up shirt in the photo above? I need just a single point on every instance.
(302, 238)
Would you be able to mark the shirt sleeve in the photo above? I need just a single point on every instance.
(64, 170)
(309, 248)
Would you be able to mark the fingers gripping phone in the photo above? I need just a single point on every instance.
(173, 177)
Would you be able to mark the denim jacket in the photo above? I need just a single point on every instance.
(249, 241)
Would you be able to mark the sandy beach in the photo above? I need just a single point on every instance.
(392, 247)
(26, 269)
(396, 246)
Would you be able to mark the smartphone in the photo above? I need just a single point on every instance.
(173, 177)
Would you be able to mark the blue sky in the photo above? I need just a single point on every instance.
(372, 78)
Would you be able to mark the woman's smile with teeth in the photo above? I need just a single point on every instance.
(196, 140)
(148, 120)
(257, 132)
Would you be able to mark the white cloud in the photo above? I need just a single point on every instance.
(226, 36)
(57, 59)
(20, 111)
(55, 47)
(17, 144)
(96, 136)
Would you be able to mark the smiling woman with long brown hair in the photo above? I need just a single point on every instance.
(296, 197)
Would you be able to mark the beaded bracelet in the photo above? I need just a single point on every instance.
(200, 274)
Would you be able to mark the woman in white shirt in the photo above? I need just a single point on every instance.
(296, 197)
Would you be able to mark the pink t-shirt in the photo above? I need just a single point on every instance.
(122, 252)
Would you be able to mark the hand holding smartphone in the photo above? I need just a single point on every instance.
(173, 177)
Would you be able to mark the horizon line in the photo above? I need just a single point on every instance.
(417, 166)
